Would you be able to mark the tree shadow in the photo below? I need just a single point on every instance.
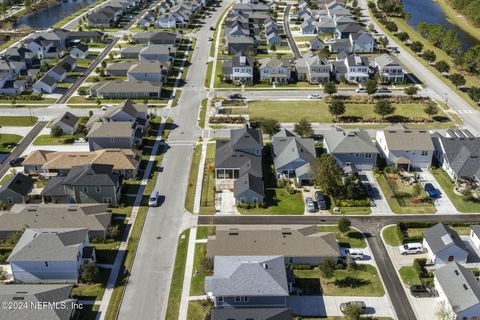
(350, 282)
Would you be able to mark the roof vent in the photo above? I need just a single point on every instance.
(465, 287)
(456, 272)
(265, 266)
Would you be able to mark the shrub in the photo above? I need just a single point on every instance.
(302, 267)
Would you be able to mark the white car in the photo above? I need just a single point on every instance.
(355, 254)
(314, 96)
(153, 200)
(361, 90)
(411, 248)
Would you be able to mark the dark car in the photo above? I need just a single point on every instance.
(310, 204)
(235, 96)
(16, 162)
(432, 191)
(322, 205)
(422, 291)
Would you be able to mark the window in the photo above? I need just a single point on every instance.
(85, 189)
(357, 155)
(98, 189)
(450, 258)
(238, 299)
(424, 153)
(112, 139)
(107, 200)
(10, 200)
(46, 264)
(220, 299)
(245, 299)
(368, 156)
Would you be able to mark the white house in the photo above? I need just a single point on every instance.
(46, 84)
(68, 122)
(50, 255)
(475, 235)
(406, 148)
(166, 21)
(58, 73)
(458, 290)
(79, 51)
(444, 245)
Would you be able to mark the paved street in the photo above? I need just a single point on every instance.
(288, 33)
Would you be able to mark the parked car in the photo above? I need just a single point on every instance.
(322, 205)
(359, 304)
(383, 90)
(210, 39)
(432, 191)
(153, 200)
(411, 248)
(310, 205)
(314, 96)
(236, 96)
(361, 90)
(16, 162)
(422, 291)
(212, 28)
(355, 254)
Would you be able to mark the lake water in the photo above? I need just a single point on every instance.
(431, 12)
(49, 16)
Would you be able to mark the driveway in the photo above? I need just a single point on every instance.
(376, 194)
(443, 203)
(227, 203)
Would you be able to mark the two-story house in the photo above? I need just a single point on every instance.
(238, 69)
(389, 69)
(114, 134)
(275, 70)
(313, 69)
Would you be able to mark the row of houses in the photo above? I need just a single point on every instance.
(313, 69)
(172, 14)
(111, 12)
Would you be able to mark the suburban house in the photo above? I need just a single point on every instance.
(275, 70)
(238, 69)
(389, 69)
(249, 281)
(41, 295)
(308, 27)
(238, 164)
(359, 42)
(459, 289)
(117, 135)
(273, 38)
(158, 37)
(237, 44)
(50, 255)
(94, 183)
(292, 156)
(45, 84)
(16, 189)
(58, 73)
(475, 235)
(122, 68)
(94, 217)
(406, 148)
(313, 69)
(458, 153)
(149, 70)
(316, 44)
(125, 162)
(353, 149)
(68, 122)
(79, 51)
(444, 245)
(117, 89)
(297, 244)
(126, 111)
(358, 69)
(252, 313)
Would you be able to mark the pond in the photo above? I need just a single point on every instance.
(432, 12)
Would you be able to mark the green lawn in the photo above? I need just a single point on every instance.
(17, 121)
(353, 238)
(362, 281)
(6, 178)
(207, 199)
(278, 202)
(456, 17)
(447, 185)
(46, 139)
(390, 236)
(192, 179)
(317, 111)
(198, 310)
(199, 271)
(176, 287)
(92, 291)
(204, 231)
(9, 141)
(407, 206)
(203, 114)
(409, 275)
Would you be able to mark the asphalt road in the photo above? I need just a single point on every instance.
(21, 146)
(147, 292)
(288, 33)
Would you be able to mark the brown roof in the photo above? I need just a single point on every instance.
(291, 241)
(399, 138)
(37, 157)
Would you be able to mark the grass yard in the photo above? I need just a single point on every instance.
(403, 205)
(409, 275)
(9, 141)
(352, 239)
(317, 111)
(204, 231)
(207, 199)
(199, 310)
(362, 281)
(14, 121)
(390, 236)
(279, 202)
(93, 291)
(6, 178)
(47, 140)
(176, 287)
(447, 185)
(203, 114)
(200, 270)
(192, 180)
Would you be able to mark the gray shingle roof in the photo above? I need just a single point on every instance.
(68, 119)
(248, 276)
(459, 285)
(440, 237)
(288, 148)
(20, 183)
(248, 182)
(246, 137)
(353, 141)
(92, 175)
(398, 138)
(228, 158)
(111, 129)
(252, 314)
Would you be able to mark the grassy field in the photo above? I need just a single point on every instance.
(8, 141)
(317, 111)
(207, 199)
(203, 114)
(455, 17)
(352, 239)
(447, 185)
(361, 281)
(279, 202)
(199, 271)
(409, 275)
(390, 236)
(47, 140)
(17, 121)
(192, 180)
(198, 310)
(204, 231)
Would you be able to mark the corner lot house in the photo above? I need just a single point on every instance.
(444, 245)
(38, 293)
(68, 123)
(298, 244)
(248, 281)
(459, 289)
(352, 149)
(50, 255)
(406, 148)
(16, 189)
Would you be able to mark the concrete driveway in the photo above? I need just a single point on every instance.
(376, 194)
(443, 203)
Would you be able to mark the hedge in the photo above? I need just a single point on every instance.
(403, 226)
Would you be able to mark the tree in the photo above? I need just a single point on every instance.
(327, 268)
(344, 225)
(442, 66)
(56, 132)
(303, 128)
(403, 36)
(330, 88)
(416, 46)
(327, 174)
(89, 273)
(383, 107)
(429, 56)
(82, 91)
(104, 64)
(273, 48)
(416, 190)
(411, 90)
(474, 94)
(383, 41)
(371, 86)
(457, 79)
(270, 126)
(336, 107)
(431, 109)
(353, 312)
